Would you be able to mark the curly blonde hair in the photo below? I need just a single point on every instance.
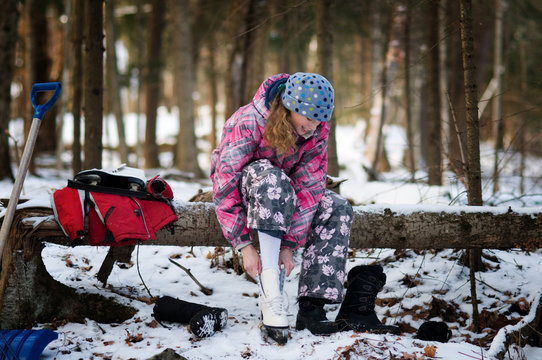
(279, 131)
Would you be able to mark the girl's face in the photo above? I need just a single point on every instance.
(303, 126)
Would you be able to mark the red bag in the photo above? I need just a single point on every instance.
(111, 220)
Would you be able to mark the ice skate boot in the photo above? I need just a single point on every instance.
(273, 305)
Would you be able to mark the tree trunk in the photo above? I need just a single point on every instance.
(114, 104)
(153, 81)
(379, 79)
(434, 159)
(411, 163)
(257, 49)
(497, 99)
(457, 132)
(237, 57)
(187, 152)
(28, 294)
(39, 71)
(139, 65)
(474, 178)
(522, 131)
(9, 17)
(65, 80)
(293, 49)
(93, 80)
(324, 37)
(393, 41)
(213, 90)
(76, 80)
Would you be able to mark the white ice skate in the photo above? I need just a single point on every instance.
(273, 305)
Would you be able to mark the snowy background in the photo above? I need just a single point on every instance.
(421, 285)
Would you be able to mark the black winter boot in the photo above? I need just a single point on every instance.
(357, 310)
(312, 316)
(204, 321)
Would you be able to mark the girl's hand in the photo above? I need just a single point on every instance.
(286, 258)
(251, 261)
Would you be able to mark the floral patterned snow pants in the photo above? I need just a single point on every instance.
(269, 200)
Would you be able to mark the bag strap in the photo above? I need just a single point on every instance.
(108, 190)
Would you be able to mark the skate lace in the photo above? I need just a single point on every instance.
(278, 304)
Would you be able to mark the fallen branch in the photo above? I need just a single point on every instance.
(204, 289)
(527, 331)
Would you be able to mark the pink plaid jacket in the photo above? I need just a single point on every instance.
(242, 143)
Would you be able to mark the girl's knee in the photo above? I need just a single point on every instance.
(341, 205)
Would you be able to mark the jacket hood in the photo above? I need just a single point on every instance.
(259, 98)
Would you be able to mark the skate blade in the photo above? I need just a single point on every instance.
(277, 335)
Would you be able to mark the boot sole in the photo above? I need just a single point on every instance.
(206, 322)
(322, 328)
(379, 329)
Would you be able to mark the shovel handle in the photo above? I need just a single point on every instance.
(42, 87)
(27, 154)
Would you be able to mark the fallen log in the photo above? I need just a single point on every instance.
(27, 290)
(396, 227)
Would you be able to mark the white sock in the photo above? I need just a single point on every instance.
(269, 250)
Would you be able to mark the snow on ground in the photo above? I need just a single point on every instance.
(421, 285)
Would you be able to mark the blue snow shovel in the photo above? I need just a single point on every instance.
(27, 154)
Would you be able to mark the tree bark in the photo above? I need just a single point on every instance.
(498, 98)
(40, 64)
(186, 158)
(386, 58)
(153, 81)
(434, 159)
(9, 17)
(237, 57)
(93, 80)
(213, 90)
(411, 160)
(457, 133)
(324, 37)
(114, 104)
(474, 176)
(76, 80)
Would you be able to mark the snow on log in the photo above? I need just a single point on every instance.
(374, 226)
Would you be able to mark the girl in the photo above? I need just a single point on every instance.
(269, 175)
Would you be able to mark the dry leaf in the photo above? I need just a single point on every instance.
(153, 324)
(430, 350)
(133, 338)
(407, 356)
